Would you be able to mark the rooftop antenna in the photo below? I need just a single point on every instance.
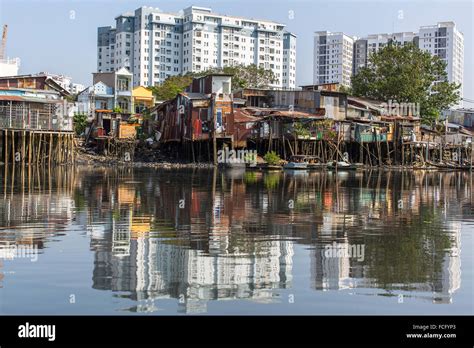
(4, 42)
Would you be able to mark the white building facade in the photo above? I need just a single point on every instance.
(447, 42)
(442, 39)
(289, 61)
(9, 66)
(333, 58)
(154, 45)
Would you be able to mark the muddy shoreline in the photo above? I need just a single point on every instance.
(89, 159)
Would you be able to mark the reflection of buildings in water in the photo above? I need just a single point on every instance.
(334, 273)
(328, 271)
(450, 278)
(1, 274)
(154, 269)
(220, 224)
(39, 215)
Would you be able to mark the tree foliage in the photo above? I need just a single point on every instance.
(172, 86)
(243, 76)
(80, 123)
(409, 75)
(272, 158)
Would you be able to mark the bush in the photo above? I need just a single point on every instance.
(272, 158)
(80, 123)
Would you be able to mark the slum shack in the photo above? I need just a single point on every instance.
(245, 126)
(199, 121)
(35, 124)
(291, 121)
(113, 133)
(458, 148)
(253, 97)
(285, 132)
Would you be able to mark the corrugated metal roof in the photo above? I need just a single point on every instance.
(28, 99)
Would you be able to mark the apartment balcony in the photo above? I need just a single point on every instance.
(124, 93)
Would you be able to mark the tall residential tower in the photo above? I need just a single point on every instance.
(154, 45)
(332, 51)
(333, 54)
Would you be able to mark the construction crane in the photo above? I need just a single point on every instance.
(4, 42)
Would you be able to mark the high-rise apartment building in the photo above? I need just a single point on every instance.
(154, 45)
(333, 55)
(442, 39)
(447, 42)
(289, 61)
(372, 43)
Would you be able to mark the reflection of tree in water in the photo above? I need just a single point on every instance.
(229, 221)
(408, 254)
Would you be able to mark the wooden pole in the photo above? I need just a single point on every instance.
(50, 147)
(58, 148)
(38, 154)
(13, 147)
(29, 150)
(6, 147)
(73, 148)
(23, 144)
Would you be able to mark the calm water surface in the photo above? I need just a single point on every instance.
(123, 241)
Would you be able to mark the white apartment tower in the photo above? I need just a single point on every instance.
(447, 42)
(442, 39)
(372, 43)
(333, 58)
(154, 45)
(289, 61)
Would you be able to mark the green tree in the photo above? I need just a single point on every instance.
(80, 123)
(172, 86)
(244, 76)
(409, 75)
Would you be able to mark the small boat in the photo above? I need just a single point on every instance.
(296, 165)
(342, 165)
(298, 162)
(317, 165)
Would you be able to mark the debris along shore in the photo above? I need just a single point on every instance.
(89, 157)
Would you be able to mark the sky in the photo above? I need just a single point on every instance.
(60, 36)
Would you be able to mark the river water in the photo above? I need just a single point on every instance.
(144, 241)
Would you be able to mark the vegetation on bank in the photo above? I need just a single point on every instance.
(406, 74)
(80, 123)
(249, 76)
(272, 158)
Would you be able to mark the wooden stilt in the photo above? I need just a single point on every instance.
(6, 147)
(29, 149)
(50, 147)
(38, 154)
(13, 148)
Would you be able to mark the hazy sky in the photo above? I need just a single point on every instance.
(48, 36)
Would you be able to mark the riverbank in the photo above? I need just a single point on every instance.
(89, 158)
(84, 157)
